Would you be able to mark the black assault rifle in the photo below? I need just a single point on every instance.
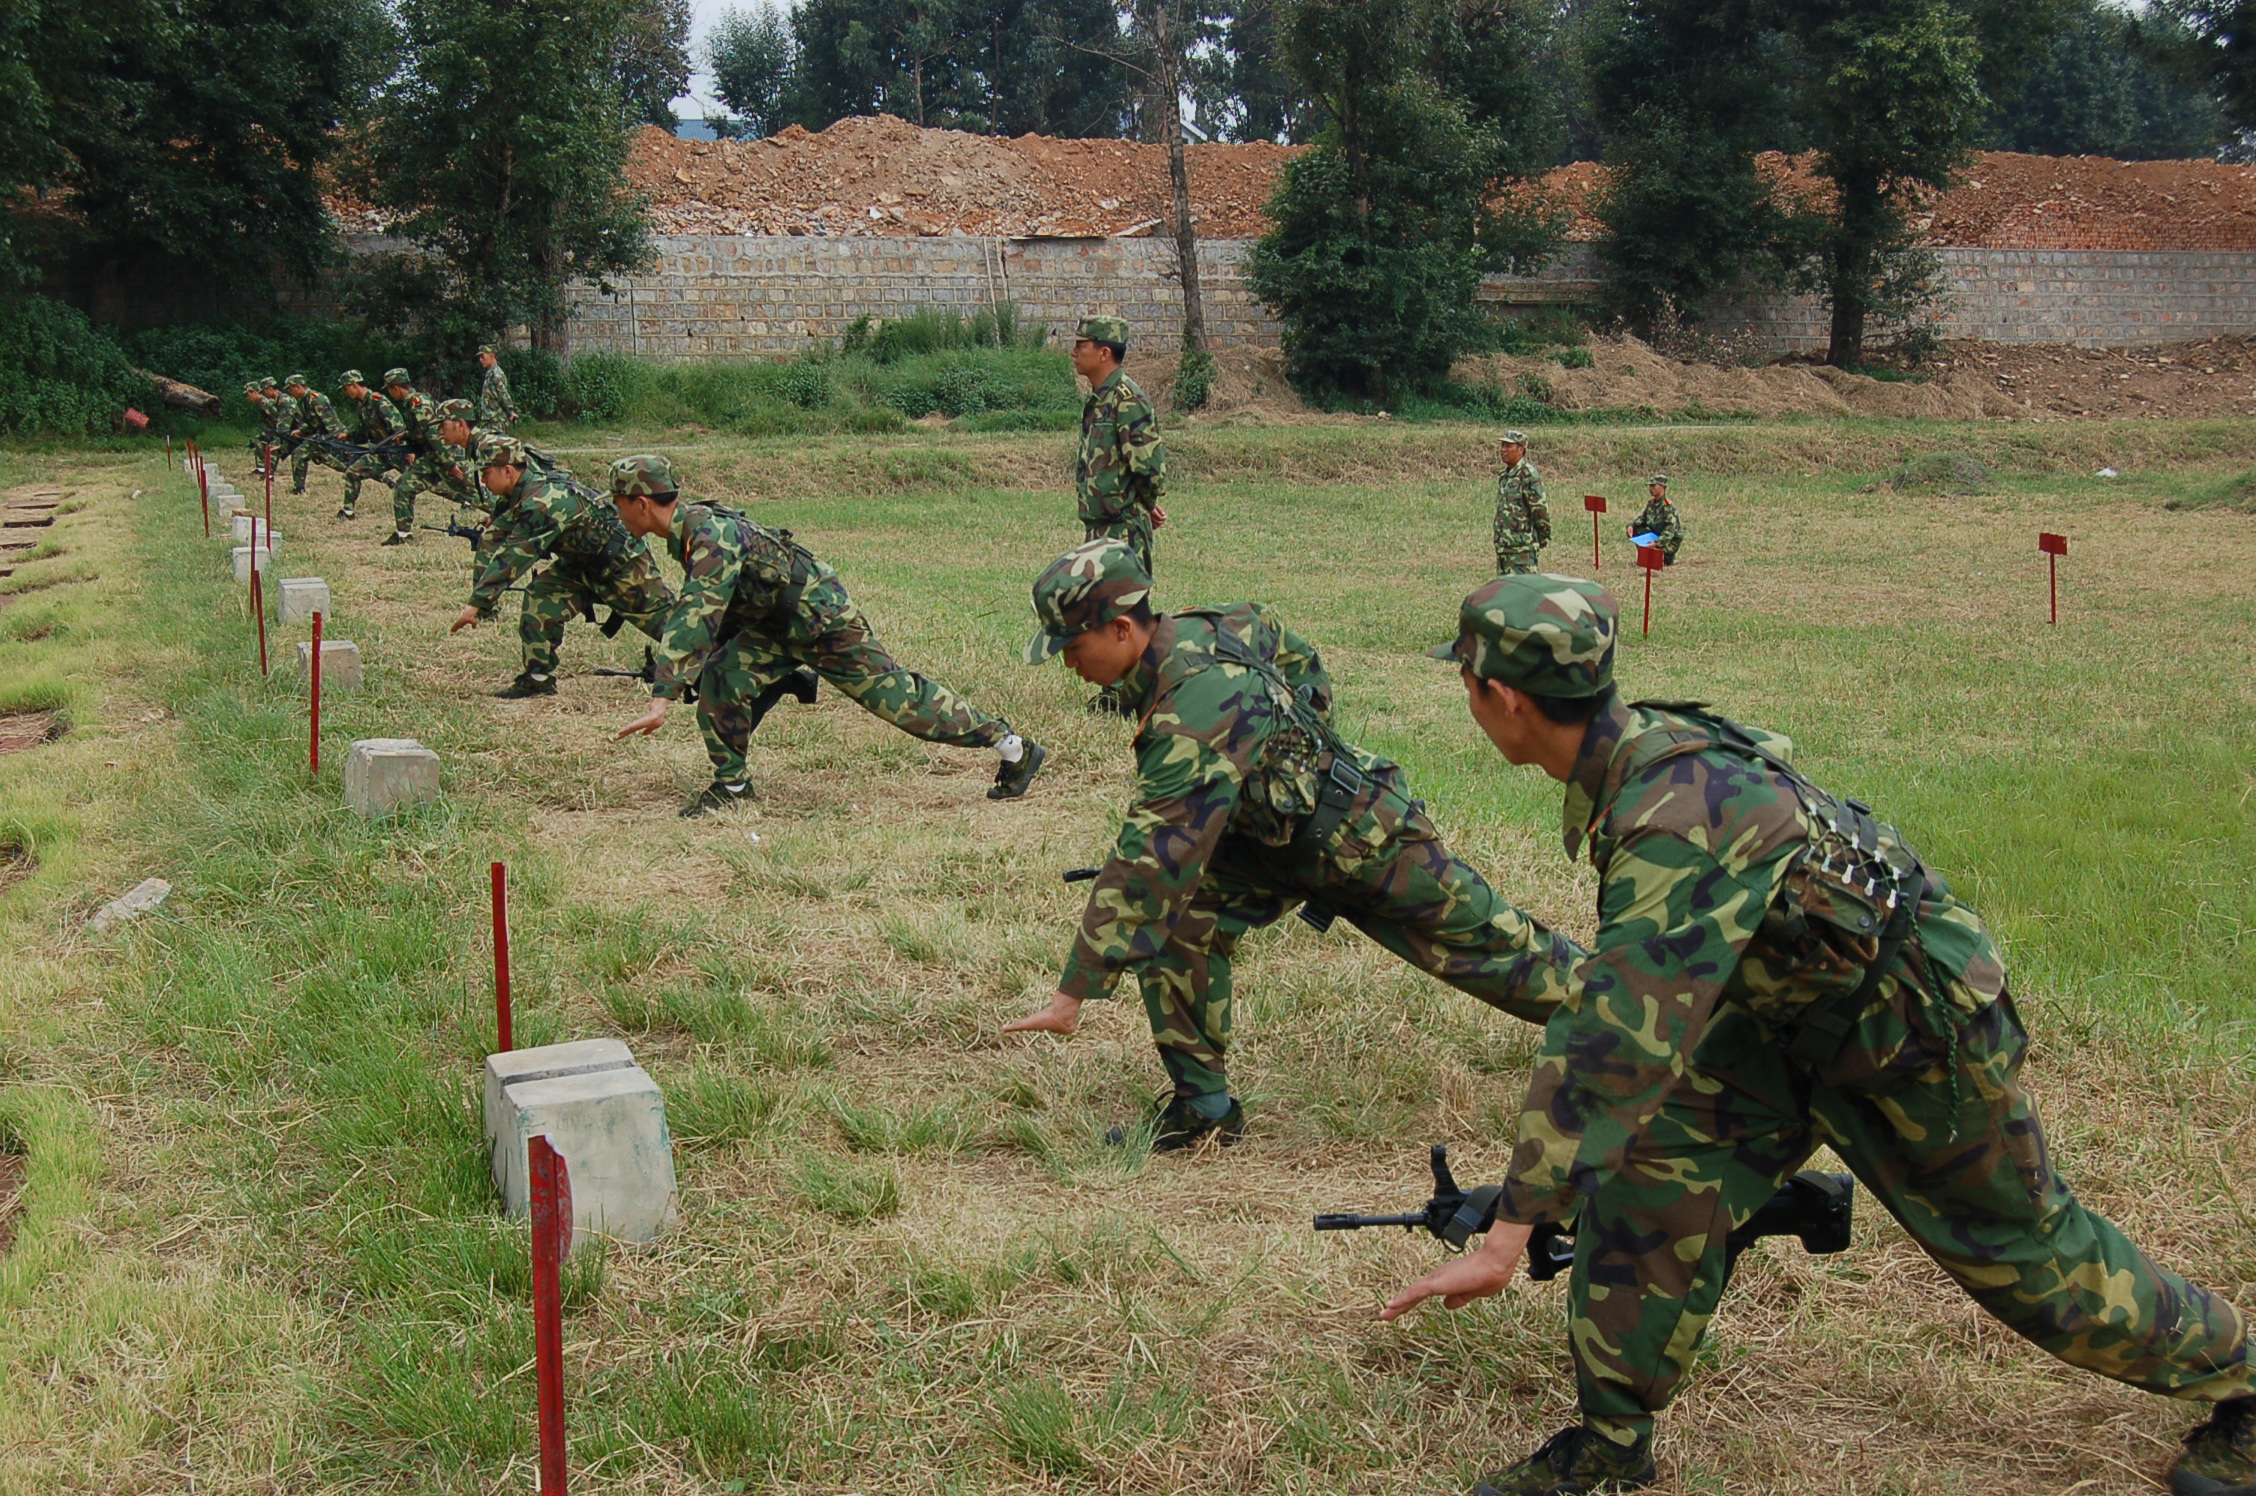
(800, 684)
(475, 534)
(1815, 1207)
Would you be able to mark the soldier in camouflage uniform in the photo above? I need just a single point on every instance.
(1658, 518)
(281, 414)
(496, 411)
(1247, 804)
(1776, 969)
(316, 417)
(755, 609)
(375, 421)
(1523, 517)
(430, 459)
(1121, 472)
(538, 516)
(261, 433)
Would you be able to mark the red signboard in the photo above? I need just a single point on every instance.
(2052, 545)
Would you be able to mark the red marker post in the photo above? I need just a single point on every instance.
(501, 956)
(267, 453)
(552, 1243)
(203, 484)
(1596, 504)
(313, 765)
(258, 607)
(2053, 547)
(1650, 558)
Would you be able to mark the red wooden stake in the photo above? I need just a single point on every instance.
(1596, 504)
(552, 1240)
(258, 606)
(267, 453)
(1650, 559)
(501, 955)
(168, 451)
(2054, 547)
(203, 489)
(314, 759)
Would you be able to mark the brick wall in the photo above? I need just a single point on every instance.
(723, 295)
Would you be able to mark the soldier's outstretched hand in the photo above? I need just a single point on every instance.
(466, 619)
(1062, 1016)
(648, 722)
(1159, 516)
(1476, 1275)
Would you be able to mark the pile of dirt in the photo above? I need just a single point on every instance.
(884, 176)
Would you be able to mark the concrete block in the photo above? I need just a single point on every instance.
(247, 527)
(248, 556)
(384, 774)
(301, 598)
(144, 897)
(610, 1125)
(544, 1062)
(340, 664)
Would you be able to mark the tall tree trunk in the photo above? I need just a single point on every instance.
(1863, 210)
(1170, 73)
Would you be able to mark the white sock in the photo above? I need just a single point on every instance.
(1012, 748)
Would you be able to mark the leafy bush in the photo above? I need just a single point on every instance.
(927, 331)
(604, 386)
(1194, 381)
(536, 381)
(65, 376)
(806, 384)
(219, 357)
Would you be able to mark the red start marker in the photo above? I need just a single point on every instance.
(1596, 504)
(1650, 559)
(2053, 547)
(552, 1243)
(314, 751)
(501, 956)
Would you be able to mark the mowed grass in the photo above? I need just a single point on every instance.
(262, 1253)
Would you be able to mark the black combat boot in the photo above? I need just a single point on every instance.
(718, 796)
(347, 513)
(1176, 1125)
(1013, 780)
(527, 684)
(400, 537)
(1573, 1462)
(2220, 1455)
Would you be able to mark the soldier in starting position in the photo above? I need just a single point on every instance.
(1658, 519)
(756, 609)
(541, 515)
(1523, 517)
(1249, 803)
(430, 459)
(1775, 969)
(316, 417)
(1122, 468)
(375, 422)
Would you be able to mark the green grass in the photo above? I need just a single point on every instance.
(261, 1242)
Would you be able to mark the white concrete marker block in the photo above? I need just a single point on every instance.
(247, 526)
(247, 556)
(340, 664)
(611, 1128)
(302, 597)
(383, 774)
(143, 898)
(543, 1062)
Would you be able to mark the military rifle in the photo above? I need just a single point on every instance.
(1815, 1207)
(475, 534)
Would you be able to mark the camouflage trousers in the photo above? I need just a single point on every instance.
(426, 474)
(359, 471)
(1133, 529)
(1513, 561)
(308, 454)
(829, 634)
(1956, 1155)
(1388, 873)
(561, 592)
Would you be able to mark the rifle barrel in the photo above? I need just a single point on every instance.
(1348, 1221)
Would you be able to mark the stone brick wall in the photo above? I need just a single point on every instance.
(768, 295)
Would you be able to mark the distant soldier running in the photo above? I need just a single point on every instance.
(593, 562)
(1523, 518)
(755, 609)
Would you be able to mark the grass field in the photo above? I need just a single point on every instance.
(259, 1252)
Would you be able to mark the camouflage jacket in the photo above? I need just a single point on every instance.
(551, 516)
(1721, 879)
(316, 416)
(376, 419)
(1122, 465)
(1223, 746)
(735, 576)
(495, 408)
(1658, 517)
(279, 414)
(1523, 518)
(419, 423)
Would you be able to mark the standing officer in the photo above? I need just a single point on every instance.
(1248, 803)
(316, 417)
(1122, 468)
(376, 422)
(1776, 969)
(539, 515)
(1658, 519)
(755, 609)
(1523, 518)
(429, 456)
(496, 411)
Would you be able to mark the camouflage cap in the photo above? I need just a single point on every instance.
(1515, 438)
(250, 386)
(496, 450)
(1658, 479)
(1086, 588)
(1548, 635)
(270, 383)
(456, 410)
(350, 376)
(489, 348)
(395, 376)
(297, 380)
(1103, 330)
(643, 477)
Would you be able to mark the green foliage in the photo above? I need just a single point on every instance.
(65, 377)
(2211, 44)
(1194, 381)
(929, 330)
(849, 1191)
(650, 61)
(751, 55)
(536, 380)
(219, 357)
(603, 386)
(2094, 92)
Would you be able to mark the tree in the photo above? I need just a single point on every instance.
(1259, 99)
(751, 55)
(501, 148)
(651, 60)
(2209, 43)
(2093, 92)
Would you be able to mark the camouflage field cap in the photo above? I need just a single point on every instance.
(350, 376)
(250, 387)
(489, 348)
(296, 381)
(1658, 480)
(270, 383)
(1103, 330)
(1548, 635)
(456, 410)
(500, 451)
(395, 376)
(1515, 438)
(644, 477)
(1086, 588)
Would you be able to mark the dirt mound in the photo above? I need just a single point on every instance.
(1625, 373)
(878, 175)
